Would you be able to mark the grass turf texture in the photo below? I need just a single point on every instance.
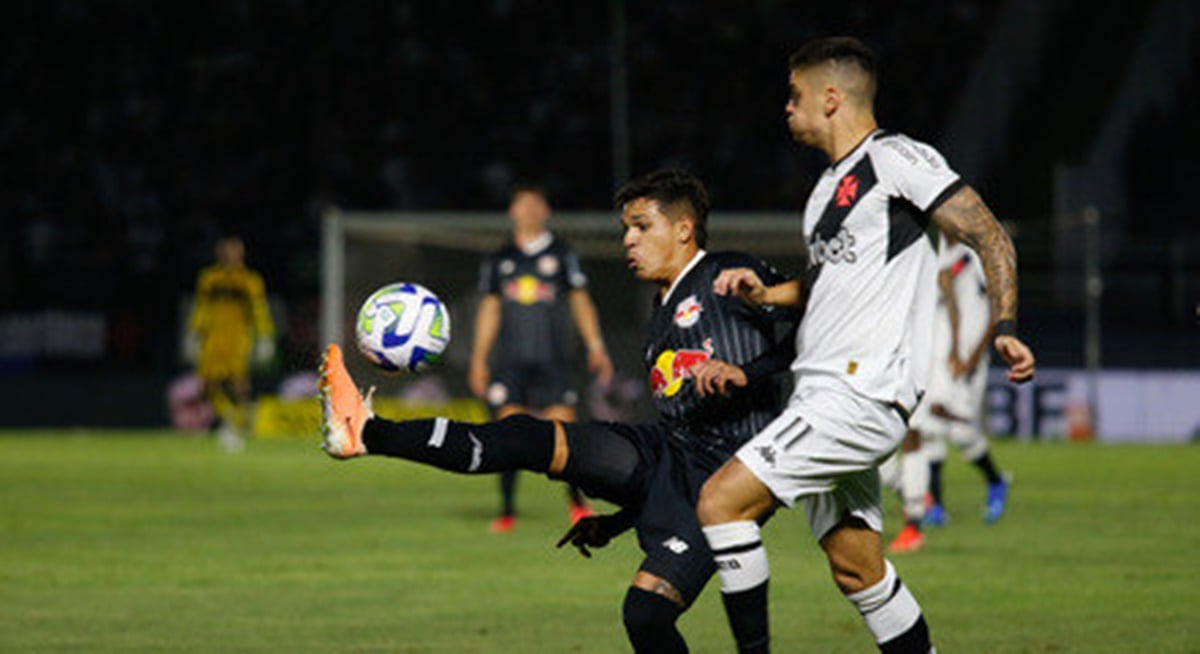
(119, 542)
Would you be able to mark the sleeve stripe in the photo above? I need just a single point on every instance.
(946, 194)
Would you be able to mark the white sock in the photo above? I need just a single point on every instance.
(888, 608)
(914, 483)
(738, 551)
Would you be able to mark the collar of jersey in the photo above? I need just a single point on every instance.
(850, 155)
(537, 245)
(683, 273)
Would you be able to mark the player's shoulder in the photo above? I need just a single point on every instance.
(899, 150)
(732, 259)
(719, 261)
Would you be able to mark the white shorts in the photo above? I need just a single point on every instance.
(962, 397)
(825, 448)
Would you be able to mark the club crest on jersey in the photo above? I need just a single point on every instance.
(672, 368)
(838, 249)
(547, 264)
(687, 312)
(847, 191)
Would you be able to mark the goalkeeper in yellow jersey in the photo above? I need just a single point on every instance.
(230, 323)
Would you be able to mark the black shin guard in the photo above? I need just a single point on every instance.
(650, 623)
(515, 443)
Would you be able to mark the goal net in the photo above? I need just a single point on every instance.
(362, 251)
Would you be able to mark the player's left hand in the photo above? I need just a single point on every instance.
(587, 532)
(601, 366)
(717, 377)
(1018, 356)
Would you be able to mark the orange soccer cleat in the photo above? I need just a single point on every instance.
(910, 539)
(345, 410)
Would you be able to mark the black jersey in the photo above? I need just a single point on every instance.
(693, 325)
(535, 323)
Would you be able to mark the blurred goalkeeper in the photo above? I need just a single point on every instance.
(710, 361)
(230, 322)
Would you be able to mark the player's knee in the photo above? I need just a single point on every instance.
(712, 507)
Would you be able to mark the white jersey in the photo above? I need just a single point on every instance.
(970, 294)
(872, 272)
(962, 396)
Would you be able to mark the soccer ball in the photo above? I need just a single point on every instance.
(403, 327)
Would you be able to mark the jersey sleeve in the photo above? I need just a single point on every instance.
(489, 281)
(573, 269)
(920, 172)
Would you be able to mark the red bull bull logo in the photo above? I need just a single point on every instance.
(528, 289)
(687, 312)
(672, 368)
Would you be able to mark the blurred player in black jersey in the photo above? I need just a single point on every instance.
(528, 287)
(654, 471)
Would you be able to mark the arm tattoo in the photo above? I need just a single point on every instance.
(965, 217)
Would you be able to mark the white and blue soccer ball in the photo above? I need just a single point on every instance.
(403, 327)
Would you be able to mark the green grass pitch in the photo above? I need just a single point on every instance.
(128, 542)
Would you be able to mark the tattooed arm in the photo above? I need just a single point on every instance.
(965, 217)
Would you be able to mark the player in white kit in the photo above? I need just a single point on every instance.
(862, 348)
(952, 407)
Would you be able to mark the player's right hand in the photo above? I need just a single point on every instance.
(717, 377)
(587, 532)
(478, 378)
(742, 282)
(1018, 356)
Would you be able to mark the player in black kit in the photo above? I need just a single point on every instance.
(710, 360)
(533, 288)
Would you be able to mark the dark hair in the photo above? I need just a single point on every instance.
(837, 49)
(526, 186)
(671, 188)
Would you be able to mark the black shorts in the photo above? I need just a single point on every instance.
(532, 386)
(664, 489)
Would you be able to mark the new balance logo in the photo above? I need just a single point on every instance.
(676, 545)
(476, 453)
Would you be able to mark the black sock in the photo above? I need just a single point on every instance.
(913, 641)
(508, 491)
(515, 443)
(650, 623)
(988, 468)
(747, 611)
(935, 481)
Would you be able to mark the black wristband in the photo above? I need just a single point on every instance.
(1005, 327)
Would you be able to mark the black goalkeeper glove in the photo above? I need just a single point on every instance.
(596, 531)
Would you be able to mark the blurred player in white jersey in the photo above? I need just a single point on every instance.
(862, 350)
(955, 399)
(953, 404)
